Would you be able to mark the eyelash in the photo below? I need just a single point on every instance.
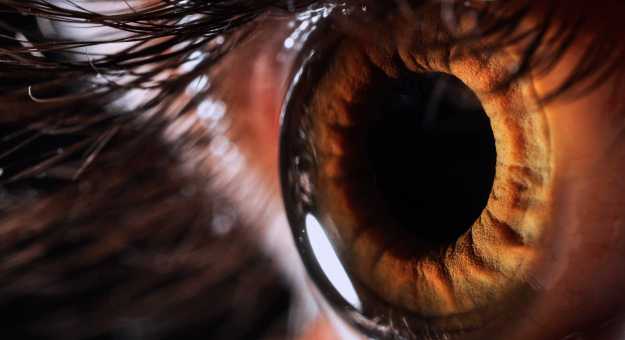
(232, 21)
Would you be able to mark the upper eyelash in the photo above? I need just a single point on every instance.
(22, 62)
(213, 18)
(35, 79)
(184, 28)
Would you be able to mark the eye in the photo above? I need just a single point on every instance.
(424, 196)
(436, 188)
(399, 166)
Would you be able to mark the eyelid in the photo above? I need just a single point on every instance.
(252, 80)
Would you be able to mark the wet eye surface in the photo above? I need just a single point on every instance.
(398, 166)
(425, 199)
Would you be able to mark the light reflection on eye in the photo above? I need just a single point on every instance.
(329, 261)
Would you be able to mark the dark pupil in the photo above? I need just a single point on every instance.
(433, 155)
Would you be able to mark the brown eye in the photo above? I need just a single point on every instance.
(423, 148)
(431, 187)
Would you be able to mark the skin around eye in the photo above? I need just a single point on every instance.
(253, 92)
(557, 191)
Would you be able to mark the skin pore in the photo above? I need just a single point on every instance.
(159, 259)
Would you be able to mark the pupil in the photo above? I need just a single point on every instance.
(432, 154)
